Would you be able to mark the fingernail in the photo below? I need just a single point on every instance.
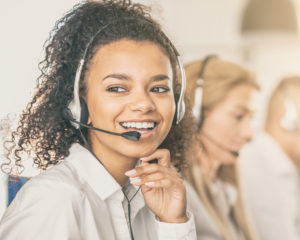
(149, 184)
(134, 180)
(130, 172)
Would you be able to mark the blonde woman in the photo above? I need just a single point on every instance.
(223, 95)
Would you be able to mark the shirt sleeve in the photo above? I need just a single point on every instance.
(177, 231)
(41, 211)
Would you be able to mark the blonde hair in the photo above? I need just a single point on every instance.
(219, 78)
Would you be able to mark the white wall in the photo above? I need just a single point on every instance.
(24, 28)
(197, 27)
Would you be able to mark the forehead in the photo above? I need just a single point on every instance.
(127, 53)
(242, 96)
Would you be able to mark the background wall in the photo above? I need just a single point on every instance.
(197, 27)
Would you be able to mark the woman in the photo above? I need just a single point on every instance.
(223, 116)
(109, 70)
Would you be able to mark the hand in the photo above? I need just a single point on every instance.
(162, 187)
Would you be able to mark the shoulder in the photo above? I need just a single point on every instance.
(52, 201)
(56, 186)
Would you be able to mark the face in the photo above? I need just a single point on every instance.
(227, 126)
(129, 88)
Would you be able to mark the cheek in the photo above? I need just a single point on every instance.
(102, 110)
(166, 108)
(221, 126)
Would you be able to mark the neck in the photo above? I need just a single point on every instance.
(210, 163)
(210, 167)
(115, 163)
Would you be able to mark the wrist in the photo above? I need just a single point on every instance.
(182, 219)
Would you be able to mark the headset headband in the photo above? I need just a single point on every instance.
(197, 109)
(75, 107)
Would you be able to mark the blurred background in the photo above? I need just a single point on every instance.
(262, 35)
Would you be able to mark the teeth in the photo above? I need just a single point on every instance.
(141, 132)
(138, 125)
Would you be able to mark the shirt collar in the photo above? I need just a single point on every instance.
(92, 171)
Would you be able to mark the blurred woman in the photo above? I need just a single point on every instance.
(223, 96)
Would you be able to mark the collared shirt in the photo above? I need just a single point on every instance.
(5, 190)
(272, 189)
(79, 199)
(224, 197)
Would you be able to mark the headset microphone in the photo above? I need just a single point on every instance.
(235, 154)
(132, 135)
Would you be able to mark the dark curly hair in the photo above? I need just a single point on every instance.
(42, 131)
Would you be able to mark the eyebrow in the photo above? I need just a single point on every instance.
(159, 77)
(117, 76)
(242, 108)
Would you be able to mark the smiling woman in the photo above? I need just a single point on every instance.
(104, 77)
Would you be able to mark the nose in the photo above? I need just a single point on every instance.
(142, 102)
(246, 130)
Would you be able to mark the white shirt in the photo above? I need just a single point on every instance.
(79, 199)
(29, 171)
(205, 226)
(272, 189)
(3, 193)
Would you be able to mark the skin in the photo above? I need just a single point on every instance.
(131, 81)
(226, 128)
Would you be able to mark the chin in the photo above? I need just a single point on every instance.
(229, 160)
(139, 151)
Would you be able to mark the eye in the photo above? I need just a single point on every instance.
(239, 117)
(160, 89)
(116, 89)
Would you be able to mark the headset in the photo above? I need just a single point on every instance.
(77, 112)
(290, 119)
(197, 108)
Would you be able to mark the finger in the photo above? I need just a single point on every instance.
(162, 156)
(145, 169)
(162, 183)
(150, 179)
(138, 181)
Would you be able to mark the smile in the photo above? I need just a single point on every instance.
(141, 127)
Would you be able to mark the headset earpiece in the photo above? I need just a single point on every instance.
(79, 114)
(290, 118)
(84, 116)
(176, 98)
(179, 98)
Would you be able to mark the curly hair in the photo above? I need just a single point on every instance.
(42, 129)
